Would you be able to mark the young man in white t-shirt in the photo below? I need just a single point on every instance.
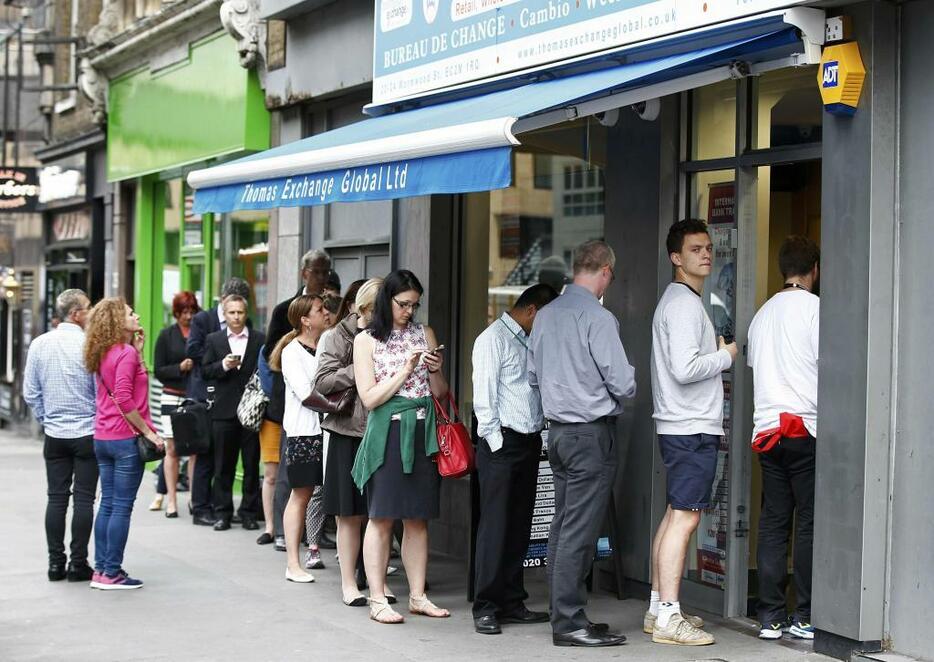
(783, 356)
(687, 390)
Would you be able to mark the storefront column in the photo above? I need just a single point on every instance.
(150, 256)
(856, 340)
(641, 193)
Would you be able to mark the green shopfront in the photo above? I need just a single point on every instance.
(198, 111)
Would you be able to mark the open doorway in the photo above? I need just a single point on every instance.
(789, 204)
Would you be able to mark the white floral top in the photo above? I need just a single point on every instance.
(389, 358)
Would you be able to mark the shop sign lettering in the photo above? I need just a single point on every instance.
(422, 47)
(19, 189)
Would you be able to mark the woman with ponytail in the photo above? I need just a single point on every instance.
(294, 356)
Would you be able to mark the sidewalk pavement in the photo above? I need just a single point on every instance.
(219, 596)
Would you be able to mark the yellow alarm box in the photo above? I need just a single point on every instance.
(840, 76)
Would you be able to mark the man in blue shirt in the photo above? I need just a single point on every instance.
(61, 394)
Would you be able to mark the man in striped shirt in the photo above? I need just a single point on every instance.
(61, 395)
(510, 422)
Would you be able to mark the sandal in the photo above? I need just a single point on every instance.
(422, 605)
(381, 612)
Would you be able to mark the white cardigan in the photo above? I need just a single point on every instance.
(298, 371)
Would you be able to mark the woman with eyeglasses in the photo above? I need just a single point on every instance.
(396, 373)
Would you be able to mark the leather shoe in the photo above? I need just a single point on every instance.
(222, 524)
(250, 524)
(203, 520)
(80, 572)
(264, 539)
(487, 625)
(524, 615)
(587, 637)
(327, 542)
(599, 627)
(57, 572)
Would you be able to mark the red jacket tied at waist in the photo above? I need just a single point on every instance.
(789, 425)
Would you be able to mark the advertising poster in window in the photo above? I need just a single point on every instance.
(543, 513)
(721, 218)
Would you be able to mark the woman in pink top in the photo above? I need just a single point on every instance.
(113, 343)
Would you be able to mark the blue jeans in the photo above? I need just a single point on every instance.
(121, 472)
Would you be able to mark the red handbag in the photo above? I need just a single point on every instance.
(455, 456)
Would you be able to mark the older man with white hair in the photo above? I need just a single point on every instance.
(61, 395)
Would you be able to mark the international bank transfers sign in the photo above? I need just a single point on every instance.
(427, 45)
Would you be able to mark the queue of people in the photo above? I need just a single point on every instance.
(349, 431)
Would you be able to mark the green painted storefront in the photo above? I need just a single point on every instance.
(199, 111)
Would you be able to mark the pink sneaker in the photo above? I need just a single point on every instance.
(121, 581)
(96, 579)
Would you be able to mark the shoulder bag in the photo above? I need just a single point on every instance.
(339, 402)
(455, 456)
(191, 427)
(148, 451)
(252, 404)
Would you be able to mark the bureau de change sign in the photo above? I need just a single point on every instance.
(422, 46)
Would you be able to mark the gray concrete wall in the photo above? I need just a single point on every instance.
(327, 51)
(911, 588)
(854, 395)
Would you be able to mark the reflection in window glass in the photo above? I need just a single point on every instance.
(172, 222)
(246, 253)
(714, 121)
(556, 202)
(790, 110)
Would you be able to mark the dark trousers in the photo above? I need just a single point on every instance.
(71, 470)
(283, 489)
(231, 441)
(202, 483)
(583, 463)
(787, 495)
(507, 496)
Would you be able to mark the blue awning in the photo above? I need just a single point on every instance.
(462, 145)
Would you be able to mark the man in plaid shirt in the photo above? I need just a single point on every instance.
(61, 394)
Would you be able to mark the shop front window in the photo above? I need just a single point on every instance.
(245, 251)
(714, 121)
(790, 110)
(172, 224)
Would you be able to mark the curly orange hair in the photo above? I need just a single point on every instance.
(106, 328)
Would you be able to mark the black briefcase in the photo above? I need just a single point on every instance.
(191, 427)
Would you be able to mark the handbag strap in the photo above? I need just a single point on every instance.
(117, 405)
(442, 410)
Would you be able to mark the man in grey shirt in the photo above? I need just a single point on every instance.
(578, 363)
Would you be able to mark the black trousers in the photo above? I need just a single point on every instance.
(202, 483)
(507, 496)
(71, 470)
(231, 441)
(787, 496)
(583, 463)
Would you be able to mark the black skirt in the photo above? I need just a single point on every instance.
(392, 494)
(304, 462)
(341, 496)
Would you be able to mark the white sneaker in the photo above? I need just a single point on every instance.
(648, 621)
(299, 578)
(681, 633)
(772, 631)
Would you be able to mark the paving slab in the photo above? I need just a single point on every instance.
(219, 596)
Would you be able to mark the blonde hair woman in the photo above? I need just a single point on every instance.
(341, 497)
(112, 352)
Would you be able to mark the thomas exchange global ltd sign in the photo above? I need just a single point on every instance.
(19, 189)
(423, 46)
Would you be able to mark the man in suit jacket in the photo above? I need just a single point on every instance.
(316, 267)
(203, 324)
(230, 359)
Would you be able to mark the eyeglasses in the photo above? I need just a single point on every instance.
(407, 305)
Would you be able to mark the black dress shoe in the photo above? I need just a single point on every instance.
(80, 572)
(587, 637)
(57, 572)
(171, 514)
(524, 615)
(599, 627)
(203, 520)
(222, 524)
(327, 542)
(487, 625)
(265, 539)
(250, 524)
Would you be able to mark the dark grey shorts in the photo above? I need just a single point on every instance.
(691, 461)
